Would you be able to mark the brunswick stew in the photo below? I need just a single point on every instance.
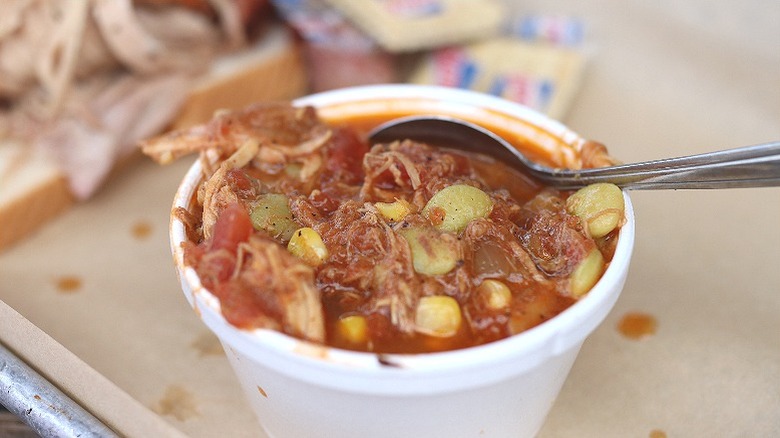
(302, 226)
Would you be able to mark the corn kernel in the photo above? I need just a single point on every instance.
(394, 211)
(496, 294)
(353, 328)
(307, 245)
(587, 273)
(438, 315)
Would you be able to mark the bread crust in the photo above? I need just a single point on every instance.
(22, 215)
(281, 76)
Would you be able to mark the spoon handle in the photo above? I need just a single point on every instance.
(751, 166)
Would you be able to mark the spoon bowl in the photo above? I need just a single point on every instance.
(750, 166)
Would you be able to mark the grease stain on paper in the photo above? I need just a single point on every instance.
(141, 229)
(207, 345)
(177, 402)
(637, 325)
(657, 433)
(68, 284)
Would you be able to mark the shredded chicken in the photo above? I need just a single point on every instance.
(270, 270)
(594, 154)
(294, 135)
(385, 158)
(285, 134)
(217, 192)
(385, 271)
(555, 241)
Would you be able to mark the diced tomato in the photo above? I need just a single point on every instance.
(345, 157)
(246, 306)
(233, 227)
(216, 268)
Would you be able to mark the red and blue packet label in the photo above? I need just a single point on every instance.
(413, 8)
(534, 92)
(543, 47)
(453, 67)
(561, 31)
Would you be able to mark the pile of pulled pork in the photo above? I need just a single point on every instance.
(82, 82)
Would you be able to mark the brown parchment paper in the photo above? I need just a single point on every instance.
(664, 78)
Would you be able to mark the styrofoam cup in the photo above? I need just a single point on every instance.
(500, 389)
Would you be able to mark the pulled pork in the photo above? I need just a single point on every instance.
(82, 82)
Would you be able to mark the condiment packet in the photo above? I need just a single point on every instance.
(413, 25)
(338, 53)
(538, 61)
(542, 77)
(556, 30)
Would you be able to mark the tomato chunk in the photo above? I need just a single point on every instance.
(233, 226)
(345, 158)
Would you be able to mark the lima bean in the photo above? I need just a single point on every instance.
(453, 207)
(600, 206)
(432, 252)
(272, 213)
(586, 273)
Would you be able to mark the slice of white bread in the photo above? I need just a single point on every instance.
(33, 191)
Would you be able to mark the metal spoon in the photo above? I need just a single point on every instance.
(751, 166)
